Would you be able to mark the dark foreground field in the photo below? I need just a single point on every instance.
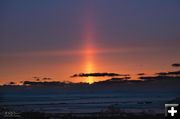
(100, 115)
(111, 99)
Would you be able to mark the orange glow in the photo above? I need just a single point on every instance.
(94, 52)
(89, 68)
(89, 63)
(89, 46)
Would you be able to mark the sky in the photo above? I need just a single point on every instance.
(58, 38)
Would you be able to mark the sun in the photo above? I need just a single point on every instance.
(89, 69)
(90, 80)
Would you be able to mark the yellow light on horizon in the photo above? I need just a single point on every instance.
(90, 80)
(89, 69)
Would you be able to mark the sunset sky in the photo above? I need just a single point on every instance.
(58, 38)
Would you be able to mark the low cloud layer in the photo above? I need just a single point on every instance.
(98, 75)
(169, 73)
(160, 77)
(176, 65)
(163, 75)
(141, 74)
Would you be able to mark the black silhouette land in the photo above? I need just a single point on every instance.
(117, 97)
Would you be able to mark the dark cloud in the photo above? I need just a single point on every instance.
(53, 84)
(176, 65)
(39, 78)
(98, 74)
(159, 77)
(35, 83)
(169, 73)
(46, 78)
(140, 74)
(12, 83)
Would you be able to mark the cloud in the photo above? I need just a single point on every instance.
(140, 74)
(98, 74)
(39, 78)
(46, 78)
(169, 73)
(35, 83)
(176, 65)
(159, 77)
(163, 75)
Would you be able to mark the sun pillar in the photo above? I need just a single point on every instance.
(89, 45)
